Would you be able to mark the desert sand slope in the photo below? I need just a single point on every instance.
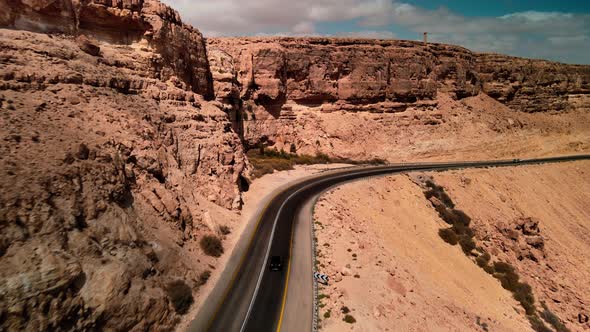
(378, 240)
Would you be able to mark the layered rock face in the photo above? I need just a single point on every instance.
(114, 165)
(269, 82)
(271, 77)
(534, 85)
(180, 49)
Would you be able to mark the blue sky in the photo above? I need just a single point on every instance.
(554, 30)
(503, 7)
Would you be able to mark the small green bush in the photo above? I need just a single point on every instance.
(181, 296)
(349, 319)
(449, 236)
(293, 148)
(211, 245)
(327, 313)
(345, 310)
(321, 296)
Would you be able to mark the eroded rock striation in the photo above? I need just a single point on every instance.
(122, 138)
(270, 79)
(534, 85)
(113, 162)
(180, 48)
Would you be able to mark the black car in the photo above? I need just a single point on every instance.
(276, 263)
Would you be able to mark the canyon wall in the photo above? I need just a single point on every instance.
(114, 166)
(534, 85)
(116, 161)
(180, 48)
(268, 81)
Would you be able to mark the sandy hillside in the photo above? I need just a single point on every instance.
(379, 242)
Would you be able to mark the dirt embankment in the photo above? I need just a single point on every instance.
(379, 241)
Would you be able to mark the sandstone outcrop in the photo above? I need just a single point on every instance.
(265, 81)
(268, 83)
(534, 85)
(180, 49)
(111, 157)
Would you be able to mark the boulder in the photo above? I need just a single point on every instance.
(88, 45)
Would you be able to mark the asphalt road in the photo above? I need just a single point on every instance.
(255, 298)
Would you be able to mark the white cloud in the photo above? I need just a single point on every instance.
(372, 34)
(535, 16)
(528, 33)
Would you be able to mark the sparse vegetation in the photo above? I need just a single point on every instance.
(438, 192)
(349, 319)
(211, 245)
(327, 313)
(553, 320)
(483, 259)
(537, 324)
(204, 277)
(484, 326)
(266, 161)
(449, 236)
(467, 244)
(181, 296)
(225, 230)
(461, 233)
(322, 296)
(345, 310)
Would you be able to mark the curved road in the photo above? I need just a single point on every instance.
(254, 299)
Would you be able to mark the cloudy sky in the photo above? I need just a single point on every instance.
(548, 29)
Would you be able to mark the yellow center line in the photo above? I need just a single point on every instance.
(243, 258)
(287, 281)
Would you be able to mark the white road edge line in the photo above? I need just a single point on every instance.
(270, 243)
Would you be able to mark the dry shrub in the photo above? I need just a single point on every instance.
(537, 324)
(181, 296)
(449, 236)
(521, 291)
(211, 245)
(349, 319)
(438, 192)
(483, 259)
(553, 320)
(467, 244)
(204, 277)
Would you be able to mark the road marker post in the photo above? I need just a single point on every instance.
(322, 278)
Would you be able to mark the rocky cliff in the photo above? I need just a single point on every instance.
(534, 85)
(116, 161)
(114, 165)
(269, 80)
(180, 49)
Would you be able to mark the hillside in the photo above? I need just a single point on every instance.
(124, 131)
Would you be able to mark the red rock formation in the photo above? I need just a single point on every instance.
(180, 47)
(311, 71)
(113, 164)
(264, 82)
(534, 85)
